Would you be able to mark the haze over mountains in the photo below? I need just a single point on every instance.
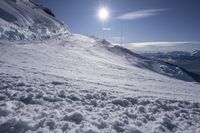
(163, 46)
(52, 80)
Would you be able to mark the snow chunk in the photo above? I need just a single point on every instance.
(118, 126)
(74, 97)
(75, 117)
(50, 123)
(120, 102)
(141, 109)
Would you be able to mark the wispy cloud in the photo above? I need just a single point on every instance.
(164, 46)
(141, 14)
(167, 43)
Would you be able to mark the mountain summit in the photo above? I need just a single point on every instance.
(25, 20)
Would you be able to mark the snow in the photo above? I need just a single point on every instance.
(196, 53)
(79, 84)
(67, 86)
(24, 20)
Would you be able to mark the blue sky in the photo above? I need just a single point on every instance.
(140, 20)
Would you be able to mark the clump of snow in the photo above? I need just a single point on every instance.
(121, 102)
(141, 109)
(75, 117)
(50, 123)
(74, 97)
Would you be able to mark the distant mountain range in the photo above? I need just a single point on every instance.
(186, 60)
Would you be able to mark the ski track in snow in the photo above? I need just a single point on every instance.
(76, 86)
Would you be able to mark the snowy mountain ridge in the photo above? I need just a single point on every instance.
(25, 20)
(188, 61)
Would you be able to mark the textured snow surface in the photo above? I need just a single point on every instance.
(24, 20)
(84, 85)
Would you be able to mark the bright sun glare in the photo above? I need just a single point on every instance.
(103, 14)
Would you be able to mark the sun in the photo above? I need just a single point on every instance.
(103, 14)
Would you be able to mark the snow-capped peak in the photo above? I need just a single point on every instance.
(25, 20)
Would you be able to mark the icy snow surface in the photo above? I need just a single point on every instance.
(79, 84)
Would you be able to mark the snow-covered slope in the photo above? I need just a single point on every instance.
(81, 84)
(153, 65)
(24, 20)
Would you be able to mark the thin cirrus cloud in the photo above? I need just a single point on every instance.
(141, 14)
(167, 43)
(164, 46)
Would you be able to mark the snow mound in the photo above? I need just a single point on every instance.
(25, 20)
